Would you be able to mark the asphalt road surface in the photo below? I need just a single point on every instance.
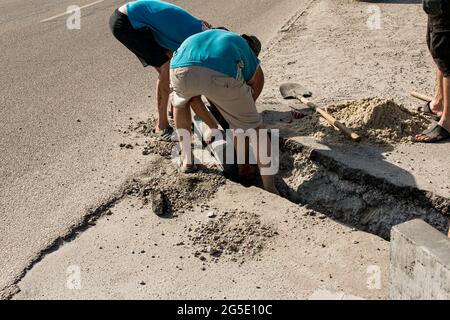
(64, 96)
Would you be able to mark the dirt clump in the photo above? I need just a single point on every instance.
(159, 204)
(236, 236)
(162, 148)
(152, 145)
(143, 127)
(169, 191)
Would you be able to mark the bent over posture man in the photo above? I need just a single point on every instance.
(223, 67)
(153, 30)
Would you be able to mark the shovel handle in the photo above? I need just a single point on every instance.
(421, 96)
(331, 120)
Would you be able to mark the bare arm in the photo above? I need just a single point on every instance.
(257, 83)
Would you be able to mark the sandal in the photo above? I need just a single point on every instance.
(435, 134)
(164, 135)
(426, 110)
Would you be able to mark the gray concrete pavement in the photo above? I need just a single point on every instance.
(346, 60)
(64, 95)
(133, 254)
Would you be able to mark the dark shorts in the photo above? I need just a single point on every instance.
(141, 42)
(438, 40)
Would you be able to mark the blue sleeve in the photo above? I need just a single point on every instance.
(137, 14)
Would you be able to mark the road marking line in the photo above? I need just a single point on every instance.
(66, 13)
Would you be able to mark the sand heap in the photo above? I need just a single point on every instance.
(379, 120)
(235, 235)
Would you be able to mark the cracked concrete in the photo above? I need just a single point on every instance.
(315, 253)
(62, 106)
(133, 254)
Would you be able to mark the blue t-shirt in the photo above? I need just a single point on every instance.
(171, 25)
(219, 50)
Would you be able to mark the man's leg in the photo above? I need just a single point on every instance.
(259, 144)
(182, 118)
(264, 147)
(445, 118)
(437, 105)
(247, 169)
(436, 134)
(162, 96)
(200, 110)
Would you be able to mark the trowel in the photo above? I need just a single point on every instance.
(298, 92)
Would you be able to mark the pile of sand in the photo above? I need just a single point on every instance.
(380, 120)
(237, 236)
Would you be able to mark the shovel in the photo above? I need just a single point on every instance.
(297, 91)
(421, 96)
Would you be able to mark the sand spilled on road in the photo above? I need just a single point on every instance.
(236, 236)
(152, 145)
(177, 192)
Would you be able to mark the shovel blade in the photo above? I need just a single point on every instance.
(292, 90)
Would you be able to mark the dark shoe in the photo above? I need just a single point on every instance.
(426, 110)
(433, 135)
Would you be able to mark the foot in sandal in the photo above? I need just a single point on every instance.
(434, 134)
(432, 109)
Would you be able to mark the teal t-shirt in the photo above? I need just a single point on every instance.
(171, 25)
(219, 50)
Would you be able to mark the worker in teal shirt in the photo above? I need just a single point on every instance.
(153, 30)
(224, 67)
(219, 50)
(171, 25)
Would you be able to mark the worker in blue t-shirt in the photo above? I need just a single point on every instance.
(224, 67)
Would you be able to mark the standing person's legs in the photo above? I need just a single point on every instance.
(445, 118)
(439, 45)
(437, 105)
(440, 130)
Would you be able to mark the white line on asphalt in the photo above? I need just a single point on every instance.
(66, 13)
